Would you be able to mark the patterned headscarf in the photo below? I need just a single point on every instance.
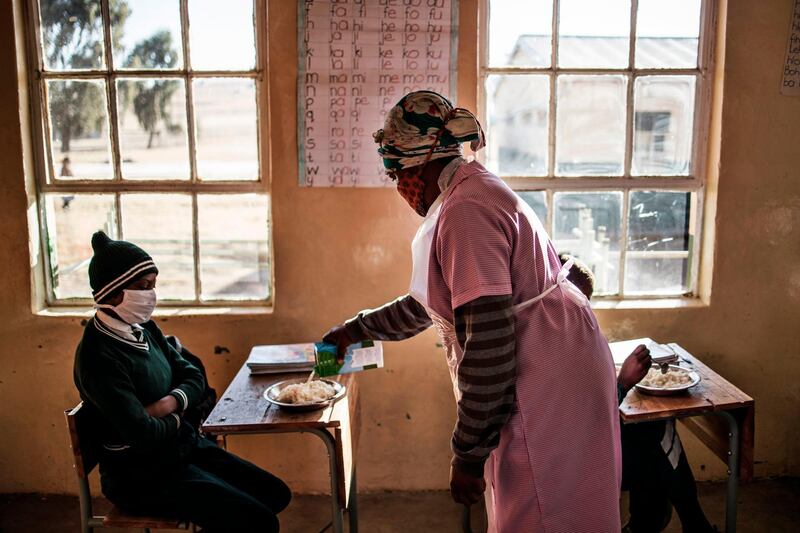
(423, 121)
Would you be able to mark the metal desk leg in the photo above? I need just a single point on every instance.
(733, 470)
(352, 511)
(336, 511)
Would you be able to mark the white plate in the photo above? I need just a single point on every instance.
(272, 392)
(669, 391)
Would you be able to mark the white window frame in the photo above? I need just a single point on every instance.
(550, 184)
(44, 168)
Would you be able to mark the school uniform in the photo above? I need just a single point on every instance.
(160, 465)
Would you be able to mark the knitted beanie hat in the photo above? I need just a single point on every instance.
(116, 264)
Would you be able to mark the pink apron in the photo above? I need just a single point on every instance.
(557, 467)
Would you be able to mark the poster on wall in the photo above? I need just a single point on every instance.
(356, 59)
(790, 81)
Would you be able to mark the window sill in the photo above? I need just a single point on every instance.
(649, 303)
(162, 312)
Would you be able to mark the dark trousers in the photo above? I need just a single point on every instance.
(654, 485)
(214, 489)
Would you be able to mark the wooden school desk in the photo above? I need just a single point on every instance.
(243, 410)
(716, 411)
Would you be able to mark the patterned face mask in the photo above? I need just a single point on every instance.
(412, 189)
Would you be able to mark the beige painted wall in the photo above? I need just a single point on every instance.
(359, 241)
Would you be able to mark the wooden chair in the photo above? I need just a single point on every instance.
(84, 453)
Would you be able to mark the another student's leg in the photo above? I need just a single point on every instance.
(650, 509)
(683, 494)
(642, 458)
(654, 483)
(201, 498)
(245, 476)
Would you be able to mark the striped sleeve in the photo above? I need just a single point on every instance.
(486, 378)
(395, 321)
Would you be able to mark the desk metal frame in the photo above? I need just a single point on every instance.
(243, 410)
(337, 512)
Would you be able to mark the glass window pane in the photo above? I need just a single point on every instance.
(72, 34)
(222, 39)
(594, 34)
(517, 111)
(225, 129)
(79, 129)
(657, 259)
(590, 126)
(162, 225)
(663, 125)
(148, 36)
(667, 33)
(234, 248)
(152, 128)
(520, 32)
(538, 202)
(71, 221)
(588, 226)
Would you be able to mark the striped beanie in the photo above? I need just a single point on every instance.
(115, 265)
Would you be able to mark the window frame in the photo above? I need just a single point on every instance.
(44, 168)
(694, 182)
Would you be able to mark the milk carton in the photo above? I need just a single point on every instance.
(363, 355)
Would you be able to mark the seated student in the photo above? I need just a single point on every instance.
(654, 466)
(136, 387)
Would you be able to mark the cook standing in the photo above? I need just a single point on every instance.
(532, 372)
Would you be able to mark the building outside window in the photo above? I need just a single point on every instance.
(149, 119)
(652, 130)
(613, 161)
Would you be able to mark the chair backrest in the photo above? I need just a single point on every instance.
(83, 449)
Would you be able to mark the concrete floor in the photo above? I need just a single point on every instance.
(764, 506)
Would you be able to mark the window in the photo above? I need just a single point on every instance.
(150, 126)
(595, 112)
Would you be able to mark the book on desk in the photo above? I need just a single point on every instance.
(660, 353)
(275, 359)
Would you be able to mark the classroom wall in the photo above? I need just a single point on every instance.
(338, 251)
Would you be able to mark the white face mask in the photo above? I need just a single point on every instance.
(136, 306)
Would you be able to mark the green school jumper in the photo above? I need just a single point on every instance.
(116, 378)
(158, 465)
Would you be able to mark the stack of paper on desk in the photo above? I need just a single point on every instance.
(281, 358)
(661, 353)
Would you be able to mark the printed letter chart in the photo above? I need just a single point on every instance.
(356, 59)
(790, 82)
